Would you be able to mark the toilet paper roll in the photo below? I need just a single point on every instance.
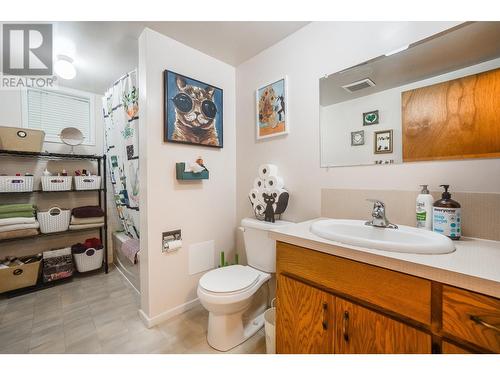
(274, 182)
(174, 245)
(258, 183)
(254, 195)
(259, 207)
(267, 170)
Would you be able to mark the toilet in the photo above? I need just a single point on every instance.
(237, 296)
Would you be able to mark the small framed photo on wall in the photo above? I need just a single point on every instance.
(383, 142)
(272, 109)
(358, 138)
(371, 118)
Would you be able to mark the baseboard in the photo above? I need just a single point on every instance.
(166, 315)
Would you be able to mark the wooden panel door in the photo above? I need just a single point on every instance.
(362, 331)
(457, 119)
(449, 348)
(304, 318)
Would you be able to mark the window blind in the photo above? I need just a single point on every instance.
(53, 111)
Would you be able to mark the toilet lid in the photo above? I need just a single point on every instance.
(229, 279)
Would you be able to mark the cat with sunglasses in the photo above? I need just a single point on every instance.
(195, 113)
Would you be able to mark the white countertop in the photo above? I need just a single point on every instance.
(475, 265)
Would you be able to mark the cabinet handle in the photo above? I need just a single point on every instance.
(478, 320)
(325, 316)
(345, 326)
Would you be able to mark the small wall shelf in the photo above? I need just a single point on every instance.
(181, 175)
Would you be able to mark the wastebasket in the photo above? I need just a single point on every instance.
(270, 328)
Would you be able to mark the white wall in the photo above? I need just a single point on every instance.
(202, 210)
(305, 56)
(339, 120)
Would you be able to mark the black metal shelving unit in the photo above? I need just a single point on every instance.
(101, 196)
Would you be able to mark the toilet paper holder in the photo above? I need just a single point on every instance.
(171, 241)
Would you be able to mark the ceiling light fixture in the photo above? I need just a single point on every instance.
(64, 67)
(397, 50)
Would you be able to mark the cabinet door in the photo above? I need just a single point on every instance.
(359, 330)
(304, 318)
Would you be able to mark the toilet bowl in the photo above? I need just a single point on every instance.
(230, 293)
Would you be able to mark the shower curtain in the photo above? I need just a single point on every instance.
(121, 118)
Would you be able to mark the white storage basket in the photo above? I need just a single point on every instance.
(54, 220)
(56, 183)
(90, 260)
(13, 184)
(87, 182)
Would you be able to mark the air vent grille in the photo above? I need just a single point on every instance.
(359, 85)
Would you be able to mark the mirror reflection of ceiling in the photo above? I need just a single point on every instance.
(465, 45)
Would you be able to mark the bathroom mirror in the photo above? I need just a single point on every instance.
(361, 108)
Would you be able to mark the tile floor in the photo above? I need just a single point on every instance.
(98, 314)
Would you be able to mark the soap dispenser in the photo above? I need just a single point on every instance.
(424, 208)
(446, 216)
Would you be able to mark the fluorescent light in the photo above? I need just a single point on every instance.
(64, 67)
(397, 50)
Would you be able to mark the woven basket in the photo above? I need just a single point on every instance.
(90, 260)
(54, 220)
(87, 182)
(56, 183)
(13, 184)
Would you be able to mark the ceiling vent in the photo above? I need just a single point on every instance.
(359, 85)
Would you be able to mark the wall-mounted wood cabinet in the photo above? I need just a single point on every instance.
(328, 304)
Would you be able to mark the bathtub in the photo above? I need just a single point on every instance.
(129, 271)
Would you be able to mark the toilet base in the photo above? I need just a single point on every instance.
(227, 331)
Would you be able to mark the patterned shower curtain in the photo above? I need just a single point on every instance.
(121, 118)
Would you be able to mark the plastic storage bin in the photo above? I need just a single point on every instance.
(20, 276)
(90, 260)
(15, 184)
(54, 220)
(87, 182)
(57, 264)
(56, 183)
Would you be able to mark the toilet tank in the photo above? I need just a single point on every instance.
(260, 249)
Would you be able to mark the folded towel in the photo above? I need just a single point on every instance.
(85, 226)
(93, 242)
(8, 215)
(87, 211)
(8, 228)
(6, 208)
(130, 248)
(86, 220)
(17, 220)
(18, 233)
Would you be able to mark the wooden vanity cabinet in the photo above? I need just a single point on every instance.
(329, 304)
(304, 328)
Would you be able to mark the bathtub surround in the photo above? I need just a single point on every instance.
(203, 210)
(304, 59)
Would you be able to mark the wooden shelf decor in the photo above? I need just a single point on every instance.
(181, 175)
(457, 119)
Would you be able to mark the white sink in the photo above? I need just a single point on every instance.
(402, 240)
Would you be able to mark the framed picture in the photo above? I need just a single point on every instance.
(358, 138)
(371, 118)
(193, 111)
(383, 142)
(272, 109)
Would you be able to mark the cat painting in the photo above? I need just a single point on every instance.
(194, 111)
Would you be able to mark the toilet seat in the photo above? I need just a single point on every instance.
(229, 280)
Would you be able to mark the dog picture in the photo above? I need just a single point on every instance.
(193, 111)
(271, 110)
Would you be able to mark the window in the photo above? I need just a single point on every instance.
(52, 111)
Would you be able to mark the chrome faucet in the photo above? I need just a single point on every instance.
(378, 213)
